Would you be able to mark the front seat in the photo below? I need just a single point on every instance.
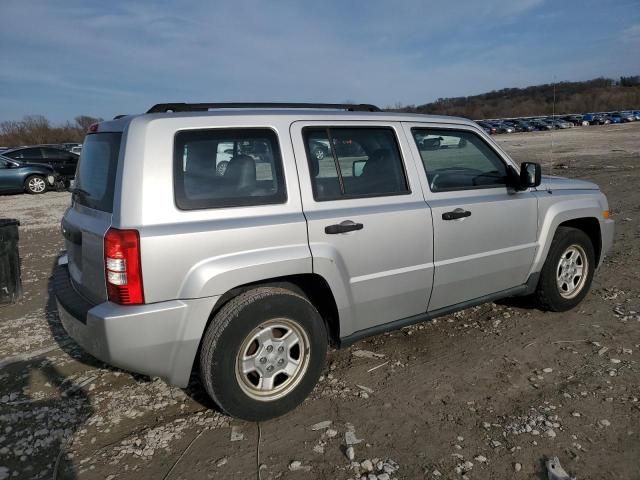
(241, 175)
(379, 174)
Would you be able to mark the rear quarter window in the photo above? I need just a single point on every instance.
(217, 168)
(96, 172)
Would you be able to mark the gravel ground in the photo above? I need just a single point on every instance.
(491, 392)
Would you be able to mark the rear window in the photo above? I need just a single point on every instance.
(227, 168)
(96, 174)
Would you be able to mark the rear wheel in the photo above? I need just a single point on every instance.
(568, 270)
(263, 352)
(35, 184)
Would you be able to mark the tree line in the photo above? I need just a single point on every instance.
(597, 95)
(36, 129)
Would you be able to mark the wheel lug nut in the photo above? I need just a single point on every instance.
(280, 349)
(281, 361)
(270, 368)
(263, 360)
(269, 348)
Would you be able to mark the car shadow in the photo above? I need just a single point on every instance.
(41, 412)
(526, 302)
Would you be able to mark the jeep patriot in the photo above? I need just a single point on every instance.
(242, 240)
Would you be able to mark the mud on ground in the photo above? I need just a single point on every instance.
(477, 394)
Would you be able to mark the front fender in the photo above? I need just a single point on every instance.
(558, 207)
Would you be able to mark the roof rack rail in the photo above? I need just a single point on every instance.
(203, 107)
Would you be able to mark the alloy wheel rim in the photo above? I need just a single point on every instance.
(272, 359)
(37, 185)
(572, 271)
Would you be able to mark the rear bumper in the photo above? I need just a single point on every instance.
(160, 339)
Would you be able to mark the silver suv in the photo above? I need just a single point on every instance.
(248, 272)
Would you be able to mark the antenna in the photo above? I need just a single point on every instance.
(553, 116)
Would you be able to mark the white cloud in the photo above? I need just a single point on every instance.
(123, 57)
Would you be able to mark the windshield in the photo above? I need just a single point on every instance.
(96, 175)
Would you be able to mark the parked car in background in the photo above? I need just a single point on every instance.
(504, 127)
(70, 146)
(16, 176)
(559, 123)
(319, 149)
(627, 117)
(541, 125)
(576, 120)
(63, 162)
(615, 117)
(487, 127)
(524, 126)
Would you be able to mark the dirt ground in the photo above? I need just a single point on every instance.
(488, 393)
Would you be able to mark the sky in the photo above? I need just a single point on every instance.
(66, 58)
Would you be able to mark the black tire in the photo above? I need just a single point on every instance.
(35, 184)
(548, 293)
(227, 334)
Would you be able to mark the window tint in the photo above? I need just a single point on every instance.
(26, 154)
(227, 168)
(458, 160)
(354, 162)
(52, 153)
(96, 176)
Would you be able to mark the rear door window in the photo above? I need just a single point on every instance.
(96, 174)
(227, 168)
(354, 162)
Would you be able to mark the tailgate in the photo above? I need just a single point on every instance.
(86, 222)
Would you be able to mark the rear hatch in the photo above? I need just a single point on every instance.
(86, 222)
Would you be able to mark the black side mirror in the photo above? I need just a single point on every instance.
(530, 175)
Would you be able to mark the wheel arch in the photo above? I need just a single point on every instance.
(591, 227)
(311, 285)
(583, 213)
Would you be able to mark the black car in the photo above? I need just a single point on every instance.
(61, 161)
(16, 176)
(524, 126)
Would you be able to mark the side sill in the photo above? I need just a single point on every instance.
(520, 290)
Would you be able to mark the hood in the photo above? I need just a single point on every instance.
(550, 182)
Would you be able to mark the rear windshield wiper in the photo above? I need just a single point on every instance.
(80, 191)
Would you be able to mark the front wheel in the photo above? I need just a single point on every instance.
(568, 270)
(263, 352)
(35, 184)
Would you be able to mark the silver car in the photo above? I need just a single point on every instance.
(248, 275)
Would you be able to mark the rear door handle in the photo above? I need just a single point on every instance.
(343, 227)
(457, 213)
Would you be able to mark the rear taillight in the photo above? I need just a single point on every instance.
(123, 270)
